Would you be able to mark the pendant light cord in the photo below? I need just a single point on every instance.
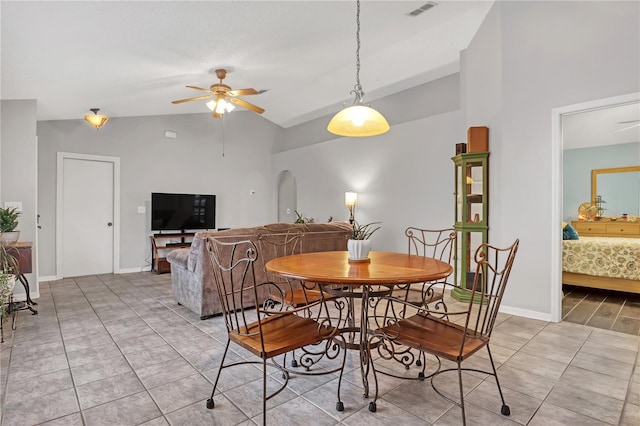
(357, 89)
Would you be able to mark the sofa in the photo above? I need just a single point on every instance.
(191, 271)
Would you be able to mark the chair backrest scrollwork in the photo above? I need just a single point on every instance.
(490, 281)
(234, 276)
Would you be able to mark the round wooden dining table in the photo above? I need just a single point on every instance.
(331, 268)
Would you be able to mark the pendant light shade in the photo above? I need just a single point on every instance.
(359, 119)
(96, 120)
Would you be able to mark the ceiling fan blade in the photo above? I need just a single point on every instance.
(197, 98)
(247, 105)
(199, 88)
(242, 92)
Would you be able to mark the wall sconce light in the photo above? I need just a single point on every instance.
(351, 201)
(96, 120)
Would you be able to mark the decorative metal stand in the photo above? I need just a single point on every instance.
(13, 307)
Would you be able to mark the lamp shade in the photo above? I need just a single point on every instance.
(350, 198)
(358, 121)
(96, 120)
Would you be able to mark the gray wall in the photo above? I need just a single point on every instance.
(547, 55)
(577, 166)
(149, 162)
(18, 170)
(428, 99)
(403, 177)
(526, 59)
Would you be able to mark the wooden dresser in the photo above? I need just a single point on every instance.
(607, 228)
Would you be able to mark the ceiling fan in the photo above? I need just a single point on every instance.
(223, 98)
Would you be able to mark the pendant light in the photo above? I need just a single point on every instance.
(96, 120)
(359, 119)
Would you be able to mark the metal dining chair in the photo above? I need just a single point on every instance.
(437, 244)
(462, 332)
(286, 293)
(434, 243)
(260, 330)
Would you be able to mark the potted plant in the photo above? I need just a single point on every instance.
(8, 264)
(359, 244)
(8, 225)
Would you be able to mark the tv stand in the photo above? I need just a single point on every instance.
(159, 249)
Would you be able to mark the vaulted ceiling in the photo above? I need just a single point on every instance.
(132, 58)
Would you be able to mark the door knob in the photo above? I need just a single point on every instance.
(109, 224)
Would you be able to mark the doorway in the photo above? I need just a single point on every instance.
(287, 197)
(557, 183)
(87, 215)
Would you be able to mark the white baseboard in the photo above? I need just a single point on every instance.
(146, 268)
(121, 271)
(544, 316)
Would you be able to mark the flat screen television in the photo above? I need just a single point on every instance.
(182, 212)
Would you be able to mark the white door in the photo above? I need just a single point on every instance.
(87, 217)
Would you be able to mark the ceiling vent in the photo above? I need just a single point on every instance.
(422, 8)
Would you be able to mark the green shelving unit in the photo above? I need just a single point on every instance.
(471, 216)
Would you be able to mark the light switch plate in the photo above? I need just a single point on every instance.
(142, 209)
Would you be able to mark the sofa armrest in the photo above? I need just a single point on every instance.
(178, 257)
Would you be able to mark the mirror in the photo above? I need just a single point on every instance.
(619, 189)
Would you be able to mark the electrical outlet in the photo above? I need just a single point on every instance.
(288, 211)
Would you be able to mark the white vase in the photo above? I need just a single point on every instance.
(358, 249)
(9, 237)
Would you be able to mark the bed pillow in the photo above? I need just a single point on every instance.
(569, 232)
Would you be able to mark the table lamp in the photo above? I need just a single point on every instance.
(351, 201)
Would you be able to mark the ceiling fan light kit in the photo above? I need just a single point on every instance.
(359, 119)
(220, 106)
(224, 99)
(96, 120)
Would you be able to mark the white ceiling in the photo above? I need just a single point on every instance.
(606, 126)
(133, 58)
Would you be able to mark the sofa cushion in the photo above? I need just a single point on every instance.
(195, 247)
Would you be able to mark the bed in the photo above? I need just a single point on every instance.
(611, 263)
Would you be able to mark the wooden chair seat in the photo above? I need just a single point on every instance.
(280, 334)
(299, 297)
(433, 335)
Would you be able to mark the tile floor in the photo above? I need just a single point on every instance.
(117, 350)
(611, 310)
